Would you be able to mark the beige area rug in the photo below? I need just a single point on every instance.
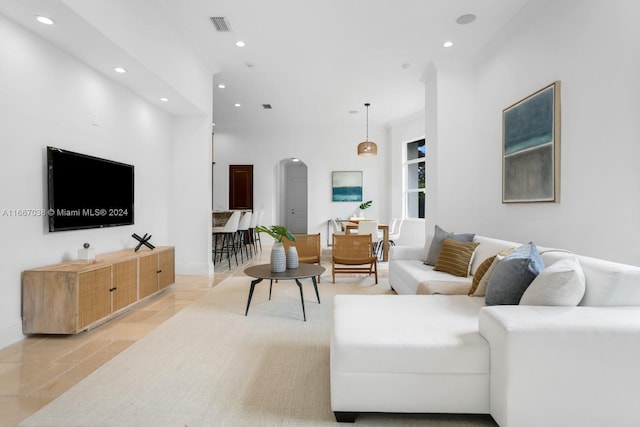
(209, 365)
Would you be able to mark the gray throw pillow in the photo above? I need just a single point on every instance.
(513, 275)
(436, 244)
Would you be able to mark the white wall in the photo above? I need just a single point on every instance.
(322, 149)
(49, 98)
(399, 133)
(593, 48)
(190, 224)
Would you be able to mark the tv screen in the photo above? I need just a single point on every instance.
(87, 192)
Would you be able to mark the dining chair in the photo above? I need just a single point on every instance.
(336, 228)
(308, 247)
(353, 254)
(228, 233)
(371, 228)
(395, 234)
(392, 225)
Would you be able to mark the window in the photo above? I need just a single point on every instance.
(415, 179)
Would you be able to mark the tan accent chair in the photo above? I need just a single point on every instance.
(351, 251)
(308, 247)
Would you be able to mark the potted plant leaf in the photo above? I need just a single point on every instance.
(363, 206)
(278, 257)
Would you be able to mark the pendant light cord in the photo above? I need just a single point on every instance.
(367, 105)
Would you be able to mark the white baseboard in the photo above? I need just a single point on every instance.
(11, 334)
(200, 269)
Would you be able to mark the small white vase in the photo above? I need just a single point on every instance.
(278, 258)
(292, 258)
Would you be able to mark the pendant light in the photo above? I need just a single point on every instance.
(367, 148)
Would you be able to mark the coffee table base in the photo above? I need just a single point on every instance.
(304, 314)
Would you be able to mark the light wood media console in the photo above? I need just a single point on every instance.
(74, 296)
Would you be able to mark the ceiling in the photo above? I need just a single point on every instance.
(314, 61)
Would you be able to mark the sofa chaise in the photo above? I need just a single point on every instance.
(443, 351)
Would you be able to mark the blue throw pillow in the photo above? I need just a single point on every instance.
(513, 275)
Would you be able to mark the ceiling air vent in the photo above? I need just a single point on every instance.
(266, 106)
(220, 24)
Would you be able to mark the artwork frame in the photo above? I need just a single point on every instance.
(346, 186)
(531, 148)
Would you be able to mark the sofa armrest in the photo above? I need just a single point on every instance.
(406, 252)
(559, 366)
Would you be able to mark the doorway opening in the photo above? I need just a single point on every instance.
(294, 201)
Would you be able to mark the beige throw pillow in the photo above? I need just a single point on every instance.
(481, 289)
(455, 257)
(480, 272)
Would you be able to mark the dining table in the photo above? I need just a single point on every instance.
(353, 225)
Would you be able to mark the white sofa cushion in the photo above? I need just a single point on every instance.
(563, 366)
(610, 283)
(408, 334)
(413, 276)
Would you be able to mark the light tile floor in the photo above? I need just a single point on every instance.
(39, 368)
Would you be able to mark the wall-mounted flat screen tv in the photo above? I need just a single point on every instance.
(88, 192)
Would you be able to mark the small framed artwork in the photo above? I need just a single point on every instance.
(531, 148)
(346, 186)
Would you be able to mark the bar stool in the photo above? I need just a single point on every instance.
(243, 230)
(252, 232)
(259, 222)
(228, 233)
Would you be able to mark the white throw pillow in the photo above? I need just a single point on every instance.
(562, 283)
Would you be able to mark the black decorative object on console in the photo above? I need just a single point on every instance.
(144, 240)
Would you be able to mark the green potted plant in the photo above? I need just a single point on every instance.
(278, 257)
(363, 206)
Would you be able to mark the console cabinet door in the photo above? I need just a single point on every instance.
(94, 296)
(124, 289)
(148, 275)
(166, 268)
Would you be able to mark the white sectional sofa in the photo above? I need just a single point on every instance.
(524, 365)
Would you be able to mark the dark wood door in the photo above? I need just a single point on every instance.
(241, 187)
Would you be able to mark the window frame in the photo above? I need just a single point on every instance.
(406, 191)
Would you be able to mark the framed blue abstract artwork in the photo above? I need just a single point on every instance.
(346, 186)
(531, 148)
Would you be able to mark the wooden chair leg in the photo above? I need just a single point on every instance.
(375, 269)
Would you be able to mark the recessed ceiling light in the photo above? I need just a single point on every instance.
(466, 19)
(163, 99)
(44, 20)
(236, 105)
(448, 43)
(240, 44)
(120, 70)
(213, 124)
(295, 159)
(221, 86)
